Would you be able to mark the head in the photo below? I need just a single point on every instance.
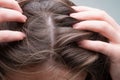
(50, 50)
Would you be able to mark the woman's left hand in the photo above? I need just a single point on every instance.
(99, 21)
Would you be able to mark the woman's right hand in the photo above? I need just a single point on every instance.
(10, 11)
(99, 21)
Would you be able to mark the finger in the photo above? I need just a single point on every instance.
(88, 15)
(8, 36)
(101, 27)
(83, 8)
(95, 15)
(11, 15)
(12, 4)
(99, 46)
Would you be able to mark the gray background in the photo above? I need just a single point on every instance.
(110, 6)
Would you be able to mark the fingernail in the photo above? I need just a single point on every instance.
(81, 43)
(73, 15)
(21, 35)
(74, 7)
(75, 26)
(21, 10)
(18, 8)
(24, 18)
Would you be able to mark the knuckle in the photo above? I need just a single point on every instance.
(102, 47)
(118, 35)
(102, 15)
(117, 38)
(103, 26)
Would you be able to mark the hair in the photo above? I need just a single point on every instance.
(50, 39)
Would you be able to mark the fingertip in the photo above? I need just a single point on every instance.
(24, 18)
(74, 15)
(77, 8)
(97, 46)
(20, 10)
(81, 43)
(75, 26)
(74, 7)
(88, 44)
(18, 7)
(11, 15)
(19, 35)
(9, 36)
(20, 18)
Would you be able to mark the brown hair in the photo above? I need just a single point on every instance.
(51, 38)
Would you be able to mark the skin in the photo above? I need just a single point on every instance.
(11, 11)
(45, 72)
(94, 20)
(99, 21)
